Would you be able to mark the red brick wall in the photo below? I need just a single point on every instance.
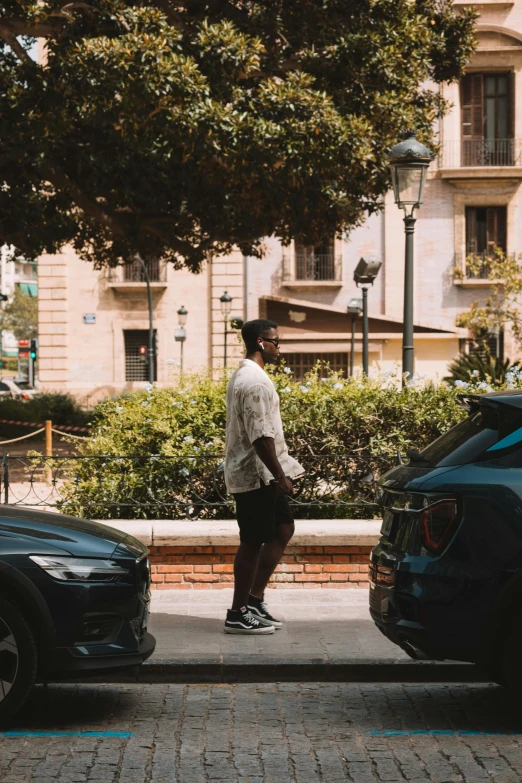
(186, 567)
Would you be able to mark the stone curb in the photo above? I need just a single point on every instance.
(224, 532)
(295, 670)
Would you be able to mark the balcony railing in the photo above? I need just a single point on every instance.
(474, 266)
(133, 272)
(311, 267)
(473, 153)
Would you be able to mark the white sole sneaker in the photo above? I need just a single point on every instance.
(250, 631)
(260, 619)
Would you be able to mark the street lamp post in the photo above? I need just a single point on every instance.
(226, 307)
(3, 298)
(364, 275)
(408, 161)
(355, 310)
(180, 335)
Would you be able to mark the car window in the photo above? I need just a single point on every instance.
(4, 387)
(487, 433)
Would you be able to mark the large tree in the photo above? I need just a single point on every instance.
(178, 128)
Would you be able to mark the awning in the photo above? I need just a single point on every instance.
(29, 288)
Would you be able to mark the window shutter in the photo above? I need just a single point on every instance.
(472, 101)
(496, 228)
(471, 230)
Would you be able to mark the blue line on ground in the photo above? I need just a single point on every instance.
(441, 733)
(124, 734)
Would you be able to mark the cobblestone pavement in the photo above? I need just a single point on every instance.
(271, 733)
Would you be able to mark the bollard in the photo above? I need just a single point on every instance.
(48, 449)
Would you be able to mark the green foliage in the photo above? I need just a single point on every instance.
(473, 366)
(179, 129)
(502, 306)
(60, 408)
(20, 316)
(340, 430)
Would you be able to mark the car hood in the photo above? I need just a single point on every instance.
(78, 537)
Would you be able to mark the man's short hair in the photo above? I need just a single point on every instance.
(254, 329)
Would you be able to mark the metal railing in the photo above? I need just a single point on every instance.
(154, 487)
(312, 267)
(465, 153)
(133, 272)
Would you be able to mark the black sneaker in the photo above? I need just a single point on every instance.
(260, 611)
(243, 621)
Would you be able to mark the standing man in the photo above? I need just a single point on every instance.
(259, 473)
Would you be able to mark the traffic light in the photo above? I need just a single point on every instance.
(33, 350)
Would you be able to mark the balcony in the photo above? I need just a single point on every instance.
(131, 277)
(309, 271)
(474, 275)
(480, 158)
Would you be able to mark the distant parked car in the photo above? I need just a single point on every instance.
(16, 388)
(446, 576)
(74, 600)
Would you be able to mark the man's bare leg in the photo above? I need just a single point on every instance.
(245, 566)
(270, 558)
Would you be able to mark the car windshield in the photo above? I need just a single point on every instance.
(487, 433)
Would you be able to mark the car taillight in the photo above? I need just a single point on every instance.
(438, 522)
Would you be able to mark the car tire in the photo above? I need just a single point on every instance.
(18, 660)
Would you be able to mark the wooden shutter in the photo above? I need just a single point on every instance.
(496, 228)
(472, 103)
(471, 230)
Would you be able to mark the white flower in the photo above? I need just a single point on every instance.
(144, 404)
(474, 373)
(193, 401)
(188, 439)
(287, 370)
(149, 387)
(324, 380)
(119, 408)
(177, 404)
(184, 472)
(287, 389)
(173, 362)
(461, 384)
(483, 386)
(337, 386)
(304, 388)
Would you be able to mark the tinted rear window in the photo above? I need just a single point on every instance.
(480, 436)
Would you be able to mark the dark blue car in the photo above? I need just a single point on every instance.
(74, 599)
(446, 575)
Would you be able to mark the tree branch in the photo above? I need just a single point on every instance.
(22, 27)
(57, 177)
(15, 45)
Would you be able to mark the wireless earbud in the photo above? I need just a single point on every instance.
(262, 346)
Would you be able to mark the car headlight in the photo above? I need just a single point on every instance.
(79, 569)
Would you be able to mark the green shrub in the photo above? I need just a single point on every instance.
(474, 366)
(341, 430)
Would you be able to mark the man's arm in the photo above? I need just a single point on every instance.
(265, 450)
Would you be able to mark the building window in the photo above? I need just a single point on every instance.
(133, 272)
(136, 360)
(487, 111)
(485, 230)
(316, 262)
(302, 363)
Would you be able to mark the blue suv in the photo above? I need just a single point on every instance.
(446, 575)
(74, 600)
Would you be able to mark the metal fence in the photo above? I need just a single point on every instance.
(126, 487)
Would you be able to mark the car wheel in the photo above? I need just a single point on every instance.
(18, 660)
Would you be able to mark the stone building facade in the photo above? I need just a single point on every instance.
(93, 324)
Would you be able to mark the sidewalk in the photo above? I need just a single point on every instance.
(327, 636)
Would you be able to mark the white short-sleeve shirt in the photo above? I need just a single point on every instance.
(253, 412)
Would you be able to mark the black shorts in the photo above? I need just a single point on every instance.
(259, 512)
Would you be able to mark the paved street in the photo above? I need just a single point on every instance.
(270, 733)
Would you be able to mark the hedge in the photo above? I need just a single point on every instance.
(158, 453)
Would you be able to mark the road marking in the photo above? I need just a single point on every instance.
(442, 733)
(123, 734)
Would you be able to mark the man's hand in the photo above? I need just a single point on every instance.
(284, 486)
